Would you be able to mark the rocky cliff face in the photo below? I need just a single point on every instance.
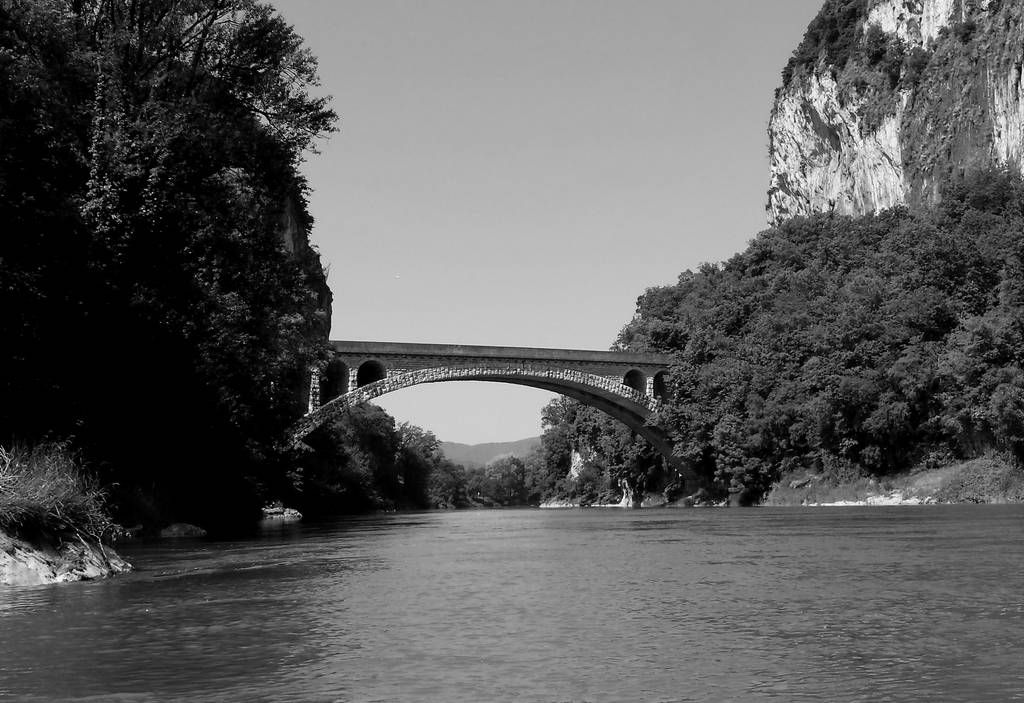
(885, 101)
(294, 237)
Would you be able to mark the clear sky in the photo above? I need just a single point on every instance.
(518, 172)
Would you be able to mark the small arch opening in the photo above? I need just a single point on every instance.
(661, 386)
(637, 380)
(333, 381)
(369, 372)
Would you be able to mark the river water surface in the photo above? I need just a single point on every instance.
(921, 603)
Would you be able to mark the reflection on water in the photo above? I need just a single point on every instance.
(788, 604)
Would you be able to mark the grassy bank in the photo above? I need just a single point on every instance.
(46, 490)
(989, 479)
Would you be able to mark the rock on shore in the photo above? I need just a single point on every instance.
(277, 512)
(182, 529)
(55, 560)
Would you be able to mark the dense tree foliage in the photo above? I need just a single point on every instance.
(833, 36)
(501, 482)
(865, 59)
(850, 345)
(152, 306)
(611, 460)
(870, 63)
(364, 461)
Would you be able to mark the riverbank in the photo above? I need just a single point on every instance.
(984, 480)
(53, 519)
(50, 559)
(654, 500)
(990, 479)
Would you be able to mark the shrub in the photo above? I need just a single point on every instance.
(833, 35)
(965, 30)
(992, 478)
(47, 489)
(916, 63)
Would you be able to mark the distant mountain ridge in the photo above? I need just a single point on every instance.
(475, 455)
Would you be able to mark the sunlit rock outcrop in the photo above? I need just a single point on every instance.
(882, 104)
(824, 159)
(48, 559)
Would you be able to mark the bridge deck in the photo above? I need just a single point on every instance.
(487, 352)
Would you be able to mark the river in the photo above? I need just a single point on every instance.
(921, 603)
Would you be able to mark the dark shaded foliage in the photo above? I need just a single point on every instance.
(151, 310)
(364, 461)
(850, 344)
(864, 59)
(502, 482)
(613, 458)
(833, 36)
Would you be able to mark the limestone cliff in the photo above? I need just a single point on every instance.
(293, 234)
(886, 100)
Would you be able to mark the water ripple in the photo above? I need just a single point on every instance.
(898, 604)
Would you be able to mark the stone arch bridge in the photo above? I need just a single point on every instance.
(627, 386)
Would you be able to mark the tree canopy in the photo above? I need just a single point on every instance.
(164, 305)
(863, 345)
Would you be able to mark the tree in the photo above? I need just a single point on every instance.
(147, 209)
(419, 457)
(447, 486)
(508, 476)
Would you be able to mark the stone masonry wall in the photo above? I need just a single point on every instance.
(398, 379)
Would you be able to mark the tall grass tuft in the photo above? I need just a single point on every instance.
(47, 489)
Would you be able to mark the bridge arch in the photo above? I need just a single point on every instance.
(629, 405)
(636, 379)
(370, 371)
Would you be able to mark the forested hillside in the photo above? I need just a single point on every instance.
(855, 347)
(161, 304)
(481, 454)
(851, 345)
(839, 346)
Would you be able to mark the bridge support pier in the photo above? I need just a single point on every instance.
(314, 389)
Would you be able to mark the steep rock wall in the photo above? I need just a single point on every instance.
(914, 21)
(293, 234)
(824, 159)
(924, 91)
